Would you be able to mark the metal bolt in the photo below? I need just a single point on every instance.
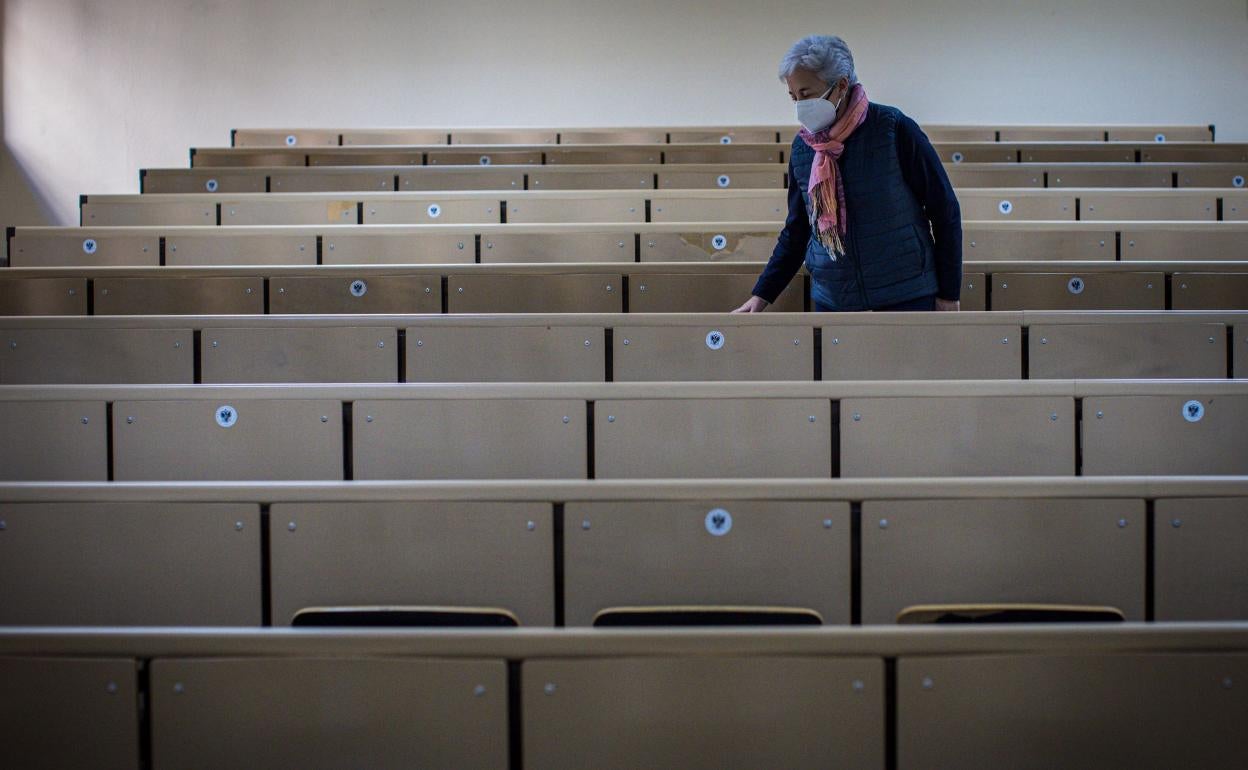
(1044, 340)
(86, 420)
(291, 526)
(111, 688)
(797, 342)
(883, 523)
(812, 418)
(238, 526)
(214, 343)
(928, 683)
(428, 290)
(130, 420)
(1211, 340)
(281, 290)
(420, 343)
(324, 418)
(642, 287)
(827, 524)
(530, 526)
(626, 340)
(1005, 340)
(1053, 417)
(1122, 524)
(836, 340)
(549, 689)
(178, 688)
(585, 524)
(566, 419)
(177, 344)
(859, 686)
(612, 288)
(104, 292)
(460, 290)
(1176, 523)
(1005, 286)
(368, 418)
(586, 343)
(479, 690)
(1100, 415)
(857, 417)
(248, 290)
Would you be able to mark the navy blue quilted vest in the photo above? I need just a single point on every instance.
(889, 256)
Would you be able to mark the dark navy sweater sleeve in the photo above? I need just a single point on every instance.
(790, 251)
(926, 177)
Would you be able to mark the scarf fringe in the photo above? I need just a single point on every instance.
(825, 220)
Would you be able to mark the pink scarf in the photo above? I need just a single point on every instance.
(827, 191)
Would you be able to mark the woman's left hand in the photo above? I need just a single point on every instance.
(948, 304)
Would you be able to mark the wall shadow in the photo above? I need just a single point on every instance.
(21, 202)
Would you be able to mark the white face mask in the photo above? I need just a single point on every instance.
(817, 114)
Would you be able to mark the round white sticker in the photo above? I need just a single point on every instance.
(1193, 411)
(725, 139)
(1075, 285)
(89, 246)
(358, 288)
(211, 185)
(719, 242)
(1160, 137)
(958, 157)
(485, 160)
(723, 181)
(1237, 181)
(1005, 207)
(291, 140)
(714, 340)
(718, 522)
(226, 416)
(434, 210)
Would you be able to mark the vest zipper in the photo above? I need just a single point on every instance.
(862, 282)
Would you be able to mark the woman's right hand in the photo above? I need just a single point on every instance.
(752, 305)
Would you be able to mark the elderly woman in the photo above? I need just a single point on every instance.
(871, 210)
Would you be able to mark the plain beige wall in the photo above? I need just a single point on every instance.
(96, 89)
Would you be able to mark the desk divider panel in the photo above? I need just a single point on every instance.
(1038, 551)
(65, 712)
(747, 554)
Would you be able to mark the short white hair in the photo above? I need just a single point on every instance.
(827, 56)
